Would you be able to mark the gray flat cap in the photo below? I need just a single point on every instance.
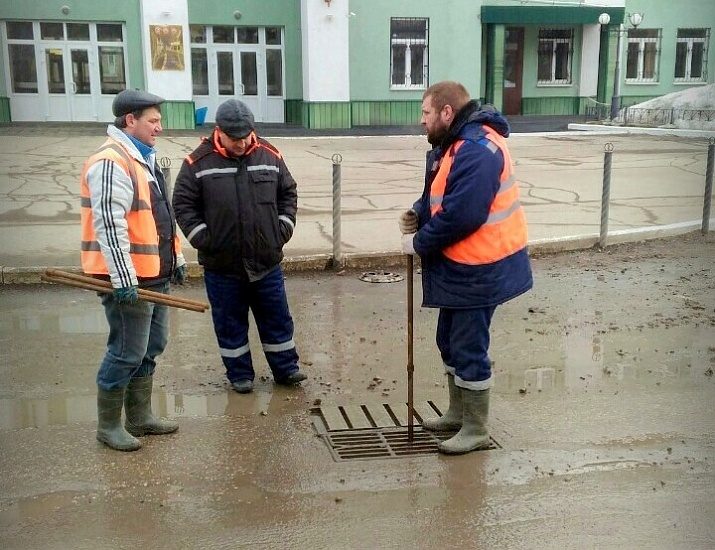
(235, 118)
(127, 101)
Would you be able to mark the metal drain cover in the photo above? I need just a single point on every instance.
(369, 432)
(381, 277)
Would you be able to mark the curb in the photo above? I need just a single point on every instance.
(382, 260)
(604, 129)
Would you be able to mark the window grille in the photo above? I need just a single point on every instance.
(691, 55)
(554, 56)
(409, 41)
(643, 55)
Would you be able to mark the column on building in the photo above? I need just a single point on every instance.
(326, 64)
(590, 54)
(167, 62)
(496, 37)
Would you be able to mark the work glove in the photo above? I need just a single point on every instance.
(179, 275)
(408, 244)
(408, 222)
(126, 295)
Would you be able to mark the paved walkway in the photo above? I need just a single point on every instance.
(657, 187)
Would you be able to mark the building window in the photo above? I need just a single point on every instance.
(555, 52)
(691, 52)
(21, 53)
(409, 53)
(642, 56)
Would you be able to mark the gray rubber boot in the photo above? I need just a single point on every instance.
(109, 421)
(473, 435)
(137, 406)
(452, 419)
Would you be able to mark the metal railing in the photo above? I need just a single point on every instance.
(649, 117)
(606, 191)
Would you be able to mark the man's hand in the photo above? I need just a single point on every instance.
(408, 222)
(179, 275)
(408, 245)
(126, 295)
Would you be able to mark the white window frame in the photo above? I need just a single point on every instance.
(641, 41)
(689, 41)
(554, 41)
(408, 43)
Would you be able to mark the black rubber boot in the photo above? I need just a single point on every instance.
(109, 421)
(137, 406)
(452, 419)
(473, 435)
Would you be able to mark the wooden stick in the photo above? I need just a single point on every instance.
(164, 299)
(107, 285)
(410, 348)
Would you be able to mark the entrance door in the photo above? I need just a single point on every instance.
(249, 85)
(70, 84)
(513, 69)
(234, 75)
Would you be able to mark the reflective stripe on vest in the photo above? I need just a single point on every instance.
(141, 227)
(504, 231)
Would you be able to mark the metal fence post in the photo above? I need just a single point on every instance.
(165, 163)
(708, 187)
(606, 194)
(337, 255)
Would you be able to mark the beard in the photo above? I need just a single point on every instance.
(436, 136)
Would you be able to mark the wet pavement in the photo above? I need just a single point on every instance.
(602, 407)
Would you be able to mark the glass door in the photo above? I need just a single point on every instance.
(82, 104)
(69, 83)
(248, 85)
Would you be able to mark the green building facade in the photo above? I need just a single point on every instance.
(345, 63)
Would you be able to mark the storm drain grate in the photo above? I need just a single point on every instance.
(368, 432)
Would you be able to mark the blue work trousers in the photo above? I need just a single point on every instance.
(463, 342)
(138, 334)
(231, 298)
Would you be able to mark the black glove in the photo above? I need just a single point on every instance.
(179, 275)
(126, 295)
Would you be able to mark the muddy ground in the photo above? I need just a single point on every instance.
(602, 407)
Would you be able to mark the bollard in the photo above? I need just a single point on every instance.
(708, 187)
(165, 163)
(605, 195)
(337, 255)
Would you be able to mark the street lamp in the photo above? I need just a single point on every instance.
(635, 19)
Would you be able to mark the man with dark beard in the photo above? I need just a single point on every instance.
(469, 230)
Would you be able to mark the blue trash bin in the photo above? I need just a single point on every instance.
(201, 116)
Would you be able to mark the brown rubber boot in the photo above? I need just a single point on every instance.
(109, 421)
(452, 419)
(137, 406)
(473, 435)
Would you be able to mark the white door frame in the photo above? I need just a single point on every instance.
(69, 105)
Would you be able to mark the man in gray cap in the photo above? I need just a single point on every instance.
(236, 202)
(129, 238)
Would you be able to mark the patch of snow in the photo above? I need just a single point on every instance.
(697, 98)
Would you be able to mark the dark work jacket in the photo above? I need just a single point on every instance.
(238, 212)
(472, 184)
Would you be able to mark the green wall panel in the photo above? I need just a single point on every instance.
(178, 115)
(5, 110)
(293, 111)
(550, 105)
(386, 113)
(327, 115)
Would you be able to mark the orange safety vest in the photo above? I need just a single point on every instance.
(504, 231)
(143, 237)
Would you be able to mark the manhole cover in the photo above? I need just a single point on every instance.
(381, 277)
(369, 432)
